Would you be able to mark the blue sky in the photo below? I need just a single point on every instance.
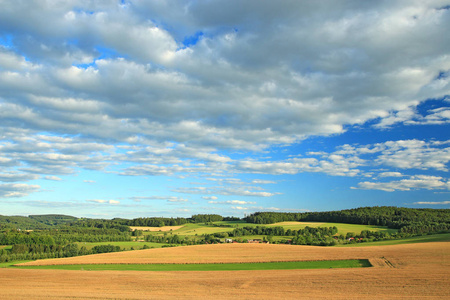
(161, 108)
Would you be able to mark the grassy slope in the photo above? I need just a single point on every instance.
(126, 245)
(200, 229)
(11, 263)
(445, 237)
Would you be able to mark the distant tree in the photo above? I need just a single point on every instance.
(70, 250)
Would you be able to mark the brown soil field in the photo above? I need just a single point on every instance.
(164, 228)
(412, 271)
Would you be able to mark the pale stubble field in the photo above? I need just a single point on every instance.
(410, 271)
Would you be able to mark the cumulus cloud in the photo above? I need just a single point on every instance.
(167, 198)
(12, 190)
(53, 178)
(260, 181)
(101, 201)
(432, 203)
(233, 202)
(412, 183)
(390, 174)
(14, 177)
(195, 89)
(239, 208)
(168, 85)
(225, 190)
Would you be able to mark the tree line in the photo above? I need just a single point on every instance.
(37, 251)
(392, 217)
(160, 222)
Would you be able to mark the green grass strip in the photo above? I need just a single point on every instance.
(291, 265)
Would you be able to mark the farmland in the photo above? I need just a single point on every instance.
(276, 255)
(199, 229)
(196, 232)
(400, 271)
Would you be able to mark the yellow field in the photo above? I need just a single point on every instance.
(163, 228)
(413, 271)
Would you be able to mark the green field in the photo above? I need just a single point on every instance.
(354, 263)
(12, 263)
(192, 230)
(444, 237)
(122, 245)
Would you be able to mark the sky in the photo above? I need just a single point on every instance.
(174, 108)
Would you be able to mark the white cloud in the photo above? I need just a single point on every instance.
(413, 183)
(234, 202)
(352, 160)
(432, 203)
(111, 87)
(414, 154)
(53, 178)
(14, 177)
(168, 87)
(12, 190)
(226, 190)
(239, 208)
(390, 174)
(260, 181)
(176, 199)
(166, 198)
(102, 201)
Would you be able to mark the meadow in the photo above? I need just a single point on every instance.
(443, 237)
(132, 245)
(195, 230)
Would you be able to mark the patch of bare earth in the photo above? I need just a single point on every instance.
(413, 271)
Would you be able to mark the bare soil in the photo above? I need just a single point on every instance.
(413, 271)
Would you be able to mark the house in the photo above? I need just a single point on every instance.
(256, 241)
(228, 240)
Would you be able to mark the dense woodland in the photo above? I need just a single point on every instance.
(54, 236)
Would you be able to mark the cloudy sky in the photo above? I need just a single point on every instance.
(173, 108)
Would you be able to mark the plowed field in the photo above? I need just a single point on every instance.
(412, 271)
